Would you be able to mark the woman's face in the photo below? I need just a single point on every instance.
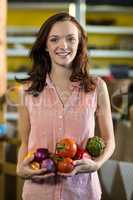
(62, 43)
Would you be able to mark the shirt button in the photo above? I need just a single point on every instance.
(60, 116)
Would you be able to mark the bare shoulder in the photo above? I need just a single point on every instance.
(100, 82)
(101, 85)
(102, 93)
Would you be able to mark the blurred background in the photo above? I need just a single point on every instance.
(109, 25)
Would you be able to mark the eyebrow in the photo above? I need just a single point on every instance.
(59, 36)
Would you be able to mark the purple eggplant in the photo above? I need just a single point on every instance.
(49, 165)
(41, 154)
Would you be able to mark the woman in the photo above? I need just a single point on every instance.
(61, 101)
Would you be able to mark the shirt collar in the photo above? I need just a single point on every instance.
(72, 86)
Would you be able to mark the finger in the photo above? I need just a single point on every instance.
(76, 169)
(79, 162)
(80, 169)
(36, 172)
(27, 174)
(83, 161)
(83, 169)
(43, 176)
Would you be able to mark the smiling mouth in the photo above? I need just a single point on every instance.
(63, 54)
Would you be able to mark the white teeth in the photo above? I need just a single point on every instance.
(63, 54)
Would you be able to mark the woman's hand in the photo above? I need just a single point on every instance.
(82, 166)
(25, 171)
(41, 177)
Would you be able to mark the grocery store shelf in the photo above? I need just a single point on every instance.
(11, 75)
(59, 5)
(106, 72)
(37, 5)
(17, 52)
(111, 54)
(22, 30)
(11, 116)
(109, 29)
(100, 72)
(20, 40)
(109, 8)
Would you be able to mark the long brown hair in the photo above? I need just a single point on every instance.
(42, 63)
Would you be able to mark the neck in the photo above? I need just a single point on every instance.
(60, 74)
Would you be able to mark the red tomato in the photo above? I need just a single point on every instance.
(79, 153)
(67, 147)
(65, 166)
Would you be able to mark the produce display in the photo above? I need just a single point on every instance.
(66, 151)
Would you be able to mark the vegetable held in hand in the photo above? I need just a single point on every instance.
(41, 154)
(66, 148)
(42, 160)
(30, 154)
(65, 165)
(81, 153)
(95, 146)
(49, 165)
(35, 165)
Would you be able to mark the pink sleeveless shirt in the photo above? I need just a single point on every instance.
(51, 121)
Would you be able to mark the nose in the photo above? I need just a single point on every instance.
(63, 44)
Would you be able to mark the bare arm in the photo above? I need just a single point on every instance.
(24, 129)
(23, 164)
(105, 123)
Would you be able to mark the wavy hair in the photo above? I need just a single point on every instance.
(41, 62)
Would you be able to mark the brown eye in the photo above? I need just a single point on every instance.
(72, 39)
(54, 40)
